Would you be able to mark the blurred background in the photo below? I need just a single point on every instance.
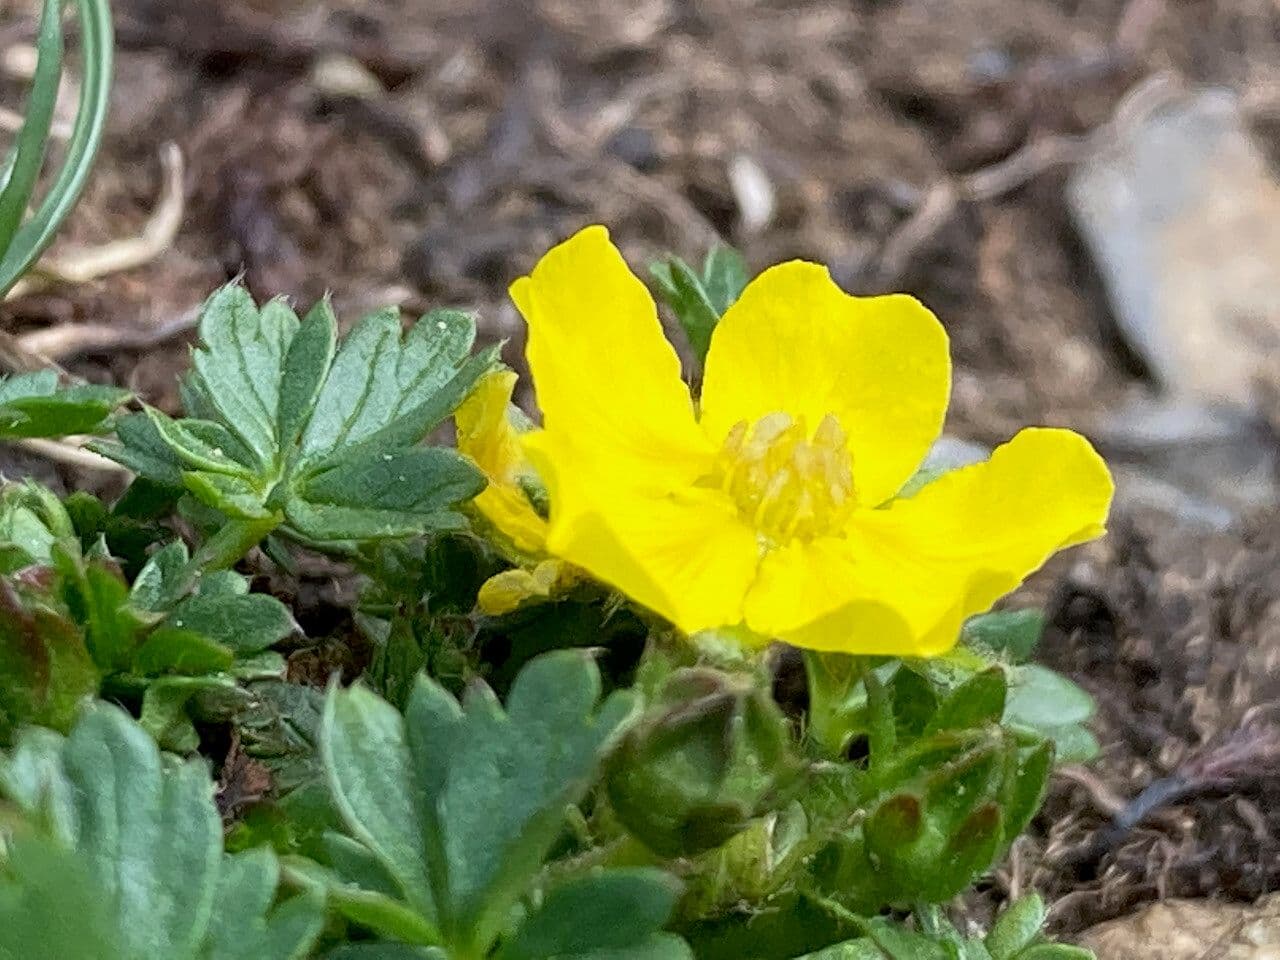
(1084, 191)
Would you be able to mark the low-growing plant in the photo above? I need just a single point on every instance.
(558, 727)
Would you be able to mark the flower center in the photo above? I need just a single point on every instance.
(787, 484)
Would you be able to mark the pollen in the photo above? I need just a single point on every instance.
(787, 484)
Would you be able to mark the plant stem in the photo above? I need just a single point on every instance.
(830, 679)
(929, 916)
(227, 547)
(882, 732)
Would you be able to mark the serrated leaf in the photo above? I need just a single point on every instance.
(42, 886)
(377, 377)
(417, 480)
(411, 426)
(384, 951)
(185, 438)
(239, 364)
(97, 597)
(245, 927)
(379, 912)
(857, 949)
(143, 450)
(316, 438)
(461, 802)
(33, 405)
(309, 358)
(146, 839)
(234, 496)
(615, 910)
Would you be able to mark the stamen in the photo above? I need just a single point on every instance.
(785, 484)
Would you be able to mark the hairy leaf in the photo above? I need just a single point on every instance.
(142, 834)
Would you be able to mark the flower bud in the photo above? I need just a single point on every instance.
(712, 754)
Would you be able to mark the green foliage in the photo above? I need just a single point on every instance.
(74, 626)
(699, 300)
(561, 783)
(287, 431)
(711, 755)
(120, 857)
(451, 809)
(21, 243)
(34, 405)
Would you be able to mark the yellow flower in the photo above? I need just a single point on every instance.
(773, 505)
(489, 429)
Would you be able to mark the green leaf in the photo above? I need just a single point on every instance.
(98, 599)
(1026, 781)
(34, 135)
(148, 837)
(42, 887)
(46, 672)
(146, 840)
(1012, 632)
(682, 290)
(377, 378)
(374, 910)
(34, 405)
(301, 433)
(142, 449)
(164, 708)
(1072, 742)
(977, 701)
(186, 439)
(858, 949)
(21, 251)
(244, 624)
(246, 927)
(239, 365)
(1040, 698)
(616, 910)
(416, 480)
(323, 524)
(159, 583)
(1056, 951)
(383, 951)
(234, 496)
(1017, 927)
(372, 776)
(461, 803)
(173, 650)
(724, 277)
(309, 358)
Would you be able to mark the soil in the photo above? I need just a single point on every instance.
(424, 153)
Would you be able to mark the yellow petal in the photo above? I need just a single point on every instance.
(607, 380)
(509, 590)
(913, 572)
(685, 555)
(796, 343)
(488, 435)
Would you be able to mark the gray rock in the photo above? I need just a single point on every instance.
(1178, 206)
